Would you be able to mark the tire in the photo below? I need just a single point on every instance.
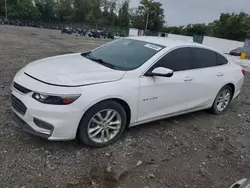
(215, 109)
(91, 120)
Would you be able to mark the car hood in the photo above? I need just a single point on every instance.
(71, 70)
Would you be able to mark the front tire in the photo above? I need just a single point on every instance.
(222, 100)
(102, 124)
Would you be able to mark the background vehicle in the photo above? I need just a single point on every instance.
(90, 33)
(81, 32)
(102, 34)
(110, 36)
(67, 30)
(127, 82)
(237, 51)
(94, 33)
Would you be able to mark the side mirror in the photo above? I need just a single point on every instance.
(160, 71)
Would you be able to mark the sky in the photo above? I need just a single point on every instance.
(183, 12)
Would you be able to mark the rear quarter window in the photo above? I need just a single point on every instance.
(202, 58)
(221, 60)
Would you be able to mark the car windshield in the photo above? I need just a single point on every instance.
(124, 54)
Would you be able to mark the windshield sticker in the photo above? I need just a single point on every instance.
(152, 46)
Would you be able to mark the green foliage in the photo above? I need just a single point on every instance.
(2, 11)
(174, 30)
(232, 26)
(46, 9)
(23, 9)
(229, 26)
(95, 12)
(63, 10)
(111, 13)
(198, 29)
(124, 15)
(155, 14)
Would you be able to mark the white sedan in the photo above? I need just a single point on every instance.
(96, 95)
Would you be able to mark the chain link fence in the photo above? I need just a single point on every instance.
(117, 31)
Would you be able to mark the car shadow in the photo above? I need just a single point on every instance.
(151, 127)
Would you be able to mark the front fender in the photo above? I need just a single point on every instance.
(125, 90)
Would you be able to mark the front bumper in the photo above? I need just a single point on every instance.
(51, 122)
(17, 121)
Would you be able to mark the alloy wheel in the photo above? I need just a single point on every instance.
(223, 100)
(104, 126)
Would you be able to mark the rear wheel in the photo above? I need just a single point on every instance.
(222, 100)
(102, 124)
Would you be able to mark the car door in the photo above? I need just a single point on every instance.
(206, 78)
(160, 96)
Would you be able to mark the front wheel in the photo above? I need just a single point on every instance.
(222, 100)
(102, 124)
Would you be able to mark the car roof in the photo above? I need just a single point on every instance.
(172, 43)
(164, 41)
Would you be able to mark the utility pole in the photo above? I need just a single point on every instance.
(146, 27)
(147, 18)
(6, 13)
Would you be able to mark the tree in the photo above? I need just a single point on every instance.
(173, 30)
(107, 13)
(124, 15)
(195, 29)
(46, 9)
(112, 17)
(109, 16)
(229, 26)
(151, 9)
(23, 10)
(90, 11)
(101, 12)
(64, 10)
(93, 14)
(2, 8)
(80, 10)
(232, 26)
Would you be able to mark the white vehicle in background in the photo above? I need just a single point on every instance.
(96, 95)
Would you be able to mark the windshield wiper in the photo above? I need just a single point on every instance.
(100, 61)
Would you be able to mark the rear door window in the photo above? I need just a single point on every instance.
(202, 58)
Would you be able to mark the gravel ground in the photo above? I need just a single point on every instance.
(193, 150)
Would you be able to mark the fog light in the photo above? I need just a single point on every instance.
(43, 125)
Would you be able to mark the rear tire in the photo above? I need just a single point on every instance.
(102, 124)
(222, 100)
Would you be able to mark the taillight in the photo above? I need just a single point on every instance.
(243, 71)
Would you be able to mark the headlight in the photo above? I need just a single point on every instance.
(55, 99)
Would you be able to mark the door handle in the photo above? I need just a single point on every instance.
(220, 74)
(188, 79)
